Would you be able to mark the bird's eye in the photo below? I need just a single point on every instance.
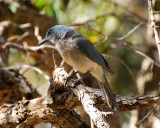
(49, 33)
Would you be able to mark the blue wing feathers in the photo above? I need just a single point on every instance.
(85, 47)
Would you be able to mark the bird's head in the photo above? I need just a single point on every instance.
(55, 33)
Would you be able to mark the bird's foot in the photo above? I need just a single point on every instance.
(70, 77)
(77, 81)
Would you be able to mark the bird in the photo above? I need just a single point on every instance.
(80, 53)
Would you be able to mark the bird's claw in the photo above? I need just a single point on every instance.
(67, 80)
(70, 77)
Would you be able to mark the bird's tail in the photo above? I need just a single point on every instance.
(110, 98)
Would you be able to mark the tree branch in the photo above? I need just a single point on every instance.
(13, 86)
(153, 24)
(32, 112)
(57, 106)
(27, 48)
(125, 103)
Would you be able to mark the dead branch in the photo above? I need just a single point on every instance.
(123, 63)
(14, 86)
(125, 103)
(27, 48)
(36, 32)
(149, 113)
(29, 113)
(131, 31)
(57, 106)
(153, 24)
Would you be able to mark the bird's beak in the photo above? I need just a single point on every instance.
(43, 41)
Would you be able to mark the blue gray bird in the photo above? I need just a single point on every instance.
(79, 52)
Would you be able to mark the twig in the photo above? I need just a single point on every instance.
(18, 37)
(36, 32)
(35, 69)
(144, 55)
(27, 48)
(79, 27)
(149, 113)
(92, 19)
(128, 10)
(156, 12)
(131, 31)
(47, 46)
(153, 24)
(157, 116)
(101, 42)
(140, 53)
(62, 63)
(120, 38)
(124, 64)
(54, 59)
(24, 26)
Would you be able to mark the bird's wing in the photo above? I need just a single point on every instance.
(87, 48)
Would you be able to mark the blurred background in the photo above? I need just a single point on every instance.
(119, 29)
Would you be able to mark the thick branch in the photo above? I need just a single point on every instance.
(13, 86)
(125, 103)
(57, 107)
(90, 97)
(28, 113)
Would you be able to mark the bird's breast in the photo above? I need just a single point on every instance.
(75, 58)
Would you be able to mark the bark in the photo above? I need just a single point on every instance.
(29, 113)
(56, 108)
(13, 86)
